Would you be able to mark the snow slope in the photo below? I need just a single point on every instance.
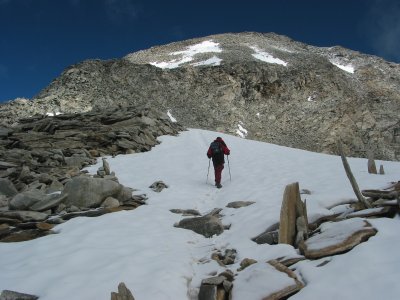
(90, 256)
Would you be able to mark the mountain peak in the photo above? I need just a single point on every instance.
(269, 86)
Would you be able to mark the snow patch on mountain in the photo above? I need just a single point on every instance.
(265, 56)
(188, 54)
(241, 131)
(348, 68)
(171, 117)
(213, 61)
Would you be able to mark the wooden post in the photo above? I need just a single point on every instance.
(350, 175)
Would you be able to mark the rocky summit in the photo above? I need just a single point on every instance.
(260, 86)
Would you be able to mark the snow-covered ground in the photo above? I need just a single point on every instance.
(90, 256)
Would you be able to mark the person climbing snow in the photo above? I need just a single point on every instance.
(216, 151)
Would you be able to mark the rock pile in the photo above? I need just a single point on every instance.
(341, 231)
(41, 160)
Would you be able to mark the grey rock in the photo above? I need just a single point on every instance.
(24, 200)
(239, 204)
(7, 188)
(125, 194)
(5, 132)
(11, 295)
(207, 292)
(246, 262)
(51, 201)
(158, 186)
(381, 170)
(24, 216)
(207, 225)
(106, 167)
(269, 237)
(217, 280)
(55, 186)
(123, 293)
(3, 201)
(90, 192)
(185, 212)
(6, 165)
(110, 202)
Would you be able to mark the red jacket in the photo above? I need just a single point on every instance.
(225, 150)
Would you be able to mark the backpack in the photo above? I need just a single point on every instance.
(216, 149)
(217, 152)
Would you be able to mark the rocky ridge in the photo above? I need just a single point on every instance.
(260, 86)
(41, 160)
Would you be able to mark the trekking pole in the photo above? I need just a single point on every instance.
(208, 169)
(229, 168)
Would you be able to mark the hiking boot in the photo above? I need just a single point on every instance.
(218, 185)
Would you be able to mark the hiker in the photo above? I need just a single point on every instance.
(216, 151)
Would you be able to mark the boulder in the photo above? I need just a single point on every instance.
(269, 237)
(24, 200)
(7, 188)
(85, 191)
(208, 225)
(337, 237)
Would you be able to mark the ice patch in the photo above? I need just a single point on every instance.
(188, 54)
(241, 131)
(348, 68)
(53, 114)
(213, 61)
(171, 117)
(265, 56)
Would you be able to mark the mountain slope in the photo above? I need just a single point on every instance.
(263, 86)
(90, 256)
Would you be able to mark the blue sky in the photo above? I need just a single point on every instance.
(40, 38)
